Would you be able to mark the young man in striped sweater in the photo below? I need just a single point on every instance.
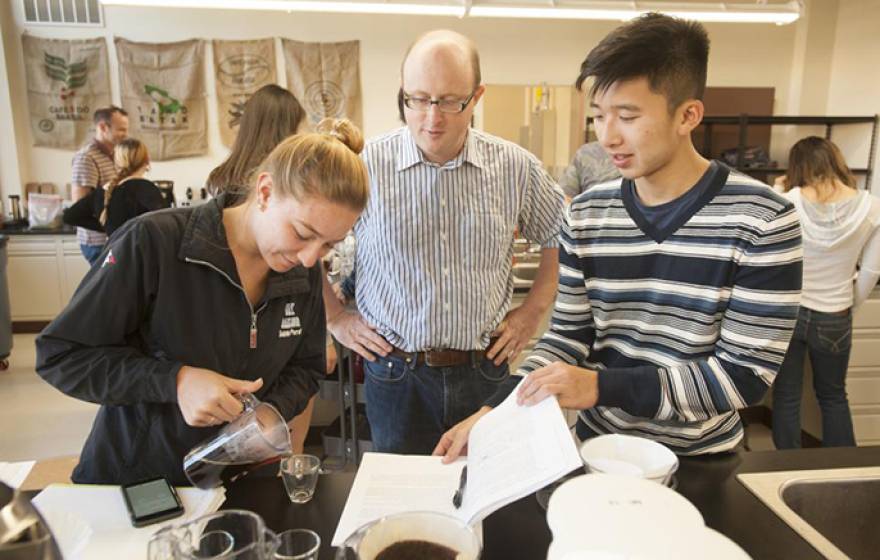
(679, 284)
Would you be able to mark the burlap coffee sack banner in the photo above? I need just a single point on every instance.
(240, 69)
(67, 81)
(163, 90)
(325, 78)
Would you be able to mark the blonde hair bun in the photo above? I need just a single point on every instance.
(324, 163)
(343, 130)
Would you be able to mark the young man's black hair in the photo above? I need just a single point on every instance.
(671, 53)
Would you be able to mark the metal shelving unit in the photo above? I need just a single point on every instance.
(353, 438)
(744, 121)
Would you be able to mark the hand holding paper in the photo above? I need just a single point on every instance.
(513, 450)
(455, 441)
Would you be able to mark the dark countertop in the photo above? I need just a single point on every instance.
(22, 228)
(519, 530)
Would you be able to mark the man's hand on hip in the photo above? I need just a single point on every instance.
(574, 387)
(513, 334)
(352, 331)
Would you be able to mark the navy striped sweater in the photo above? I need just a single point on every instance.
(686, 326)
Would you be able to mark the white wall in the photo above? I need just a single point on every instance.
(513, 52)
(854, 87)
(10, 158)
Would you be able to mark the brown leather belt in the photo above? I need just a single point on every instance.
(443, 358)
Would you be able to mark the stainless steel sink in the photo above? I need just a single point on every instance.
(836, 510)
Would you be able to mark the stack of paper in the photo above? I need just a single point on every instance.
(90, 521)
(512, 451)
(14, 474)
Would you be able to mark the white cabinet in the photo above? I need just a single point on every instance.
(863, 376)
(44, 271)
(74, 265)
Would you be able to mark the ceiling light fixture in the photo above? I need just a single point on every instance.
(327, 6)
(737, 12)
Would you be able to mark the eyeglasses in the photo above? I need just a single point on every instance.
(423, 104)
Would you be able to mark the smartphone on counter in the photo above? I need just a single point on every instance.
(151, 501)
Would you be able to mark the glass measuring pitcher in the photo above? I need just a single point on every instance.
(258, 435)
(423, 534)
(234, 534)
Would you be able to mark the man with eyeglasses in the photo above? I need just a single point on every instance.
(433, 266)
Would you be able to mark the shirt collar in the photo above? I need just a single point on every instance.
(102, 148)
(409, 153)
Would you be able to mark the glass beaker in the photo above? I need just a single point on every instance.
(234, 534)
(259, 434)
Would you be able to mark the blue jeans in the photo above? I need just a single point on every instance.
(91, 252)
(827, 338)
(410, 406)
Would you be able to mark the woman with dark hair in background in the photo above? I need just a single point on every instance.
(126, 196)
(841, 237)
(270, 115)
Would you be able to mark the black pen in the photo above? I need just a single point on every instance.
(459, 494)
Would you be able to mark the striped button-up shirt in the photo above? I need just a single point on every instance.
(92, 167)
(435, 243)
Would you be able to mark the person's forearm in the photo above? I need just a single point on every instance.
(77, 192)
(571, 331)
(332, 306)
(869, 262)
(865, 283)
(111, 375)
(543, 290)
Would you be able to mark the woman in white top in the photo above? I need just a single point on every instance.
(841, 237)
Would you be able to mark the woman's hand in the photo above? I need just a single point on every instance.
(207, 398)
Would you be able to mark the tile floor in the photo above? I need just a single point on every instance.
(36, 420)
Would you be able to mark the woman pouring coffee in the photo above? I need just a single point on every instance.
(194, 306)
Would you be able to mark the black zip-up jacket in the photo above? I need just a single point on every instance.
(166, 295)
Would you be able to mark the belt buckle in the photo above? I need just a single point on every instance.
(428, 353)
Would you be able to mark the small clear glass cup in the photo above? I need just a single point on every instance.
(215, 544)
(298, 544)
(300, 476)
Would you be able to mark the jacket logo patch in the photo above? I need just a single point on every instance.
(290, 323)
(109, 259)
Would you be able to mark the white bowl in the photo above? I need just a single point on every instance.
(629, 456)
